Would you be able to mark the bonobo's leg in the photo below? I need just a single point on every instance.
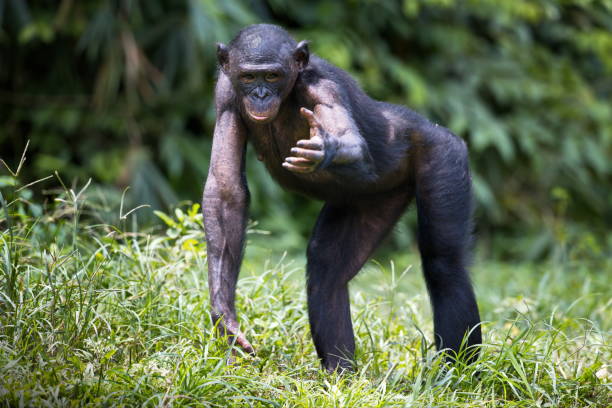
(342, 240)
(444, 215)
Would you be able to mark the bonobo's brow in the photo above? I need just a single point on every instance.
(260, 67)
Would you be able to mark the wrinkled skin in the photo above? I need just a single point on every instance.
(321, 136)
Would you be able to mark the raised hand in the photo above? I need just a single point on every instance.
(311, 154)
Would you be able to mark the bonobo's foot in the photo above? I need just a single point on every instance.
(339, 366)
(466, 355)
(465, 351)
(338, 362)
(241, 341)
(230, 328)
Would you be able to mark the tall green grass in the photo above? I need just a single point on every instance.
(96, 314)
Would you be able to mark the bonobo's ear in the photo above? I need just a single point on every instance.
(222, 56)
(301, 54)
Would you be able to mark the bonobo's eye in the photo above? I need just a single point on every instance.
(272, 77)
(247, 78)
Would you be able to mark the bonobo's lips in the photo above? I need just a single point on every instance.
(262, 117)
(259, 118)
(262, 112)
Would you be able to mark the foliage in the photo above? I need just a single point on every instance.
(92, 315)
(121, 90)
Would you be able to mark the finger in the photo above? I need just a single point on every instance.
(314, 155)
(314, 144)
(240, 338)
(299, 161)
(297, 169)
(310, 117)
(244, 343)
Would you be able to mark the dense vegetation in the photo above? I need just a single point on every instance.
(121, 91)
(92, 315)
(101, 306)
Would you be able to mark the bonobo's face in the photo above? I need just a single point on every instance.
(262, 64)
(262, 88)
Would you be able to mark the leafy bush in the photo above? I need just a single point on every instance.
(122, 90)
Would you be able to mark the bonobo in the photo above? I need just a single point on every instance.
(320, 135)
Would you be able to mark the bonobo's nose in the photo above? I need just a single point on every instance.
(261, 92)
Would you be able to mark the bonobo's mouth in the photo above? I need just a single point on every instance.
(259, 118)
(262, 112)
(262, 117)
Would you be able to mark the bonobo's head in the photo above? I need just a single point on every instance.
(263, 62)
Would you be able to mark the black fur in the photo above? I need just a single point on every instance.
(320, 135)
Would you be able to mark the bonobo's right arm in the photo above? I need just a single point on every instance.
(225, 205)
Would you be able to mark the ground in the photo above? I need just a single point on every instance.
(93, 315)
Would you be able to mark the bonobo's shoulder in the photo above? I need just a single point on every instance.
(324, 82)
(224, 93)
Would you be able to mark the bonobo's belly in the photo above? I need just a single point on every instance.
(320, 184)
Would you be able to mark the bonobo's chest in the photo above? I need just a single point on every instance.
(273, 142)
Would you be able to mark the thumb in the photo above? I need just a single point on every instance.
(310, 117)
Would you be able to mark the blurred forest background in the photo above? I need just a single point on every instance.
(121, 91)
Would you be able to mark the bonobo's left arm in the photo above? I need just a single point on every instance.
(335, 144)
(225, 204)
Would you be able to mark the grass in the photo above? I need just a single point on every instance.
(92, 314)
